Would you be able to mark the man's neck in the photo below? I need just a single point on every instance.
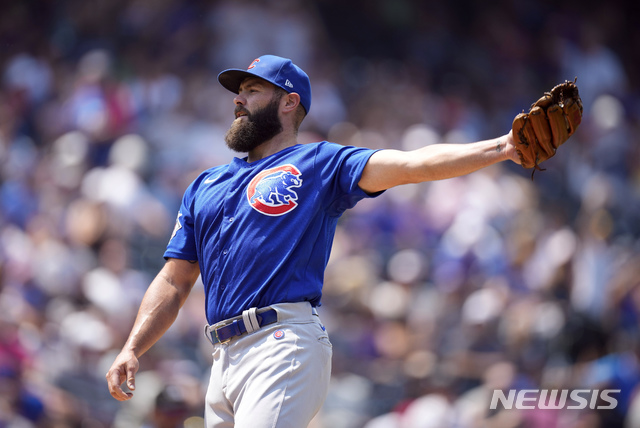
(272, 146)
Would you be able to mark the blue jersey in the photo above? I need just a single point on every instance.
(262, 231)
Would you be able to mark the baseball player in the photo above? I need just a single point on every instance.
(259, 231)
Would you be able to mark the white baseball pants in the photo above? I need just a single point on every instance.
(275, 377)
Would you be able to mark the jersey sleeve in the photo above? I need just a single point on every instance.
(340, 169)
(182, 244)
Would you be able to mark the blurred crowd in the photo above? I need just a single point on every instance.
(436, 294)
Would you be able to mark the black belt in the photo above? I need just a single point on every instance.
(237, 328)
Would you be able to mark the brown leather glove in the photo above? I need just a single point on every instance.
(548, 124)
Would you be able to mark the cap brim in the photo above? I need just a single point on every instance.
(232, 78)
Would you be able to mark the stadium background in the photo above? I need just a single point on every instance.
(436, 294)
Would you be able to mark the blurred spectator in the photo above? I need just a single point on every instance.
(170, 409)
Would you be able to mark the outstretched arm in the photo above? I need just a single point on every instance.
(158, 310)
(390, 168)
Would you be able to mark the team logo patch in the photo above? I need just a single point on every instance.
(278, 334)
(253, 63)
(271, 191)
(177, 226)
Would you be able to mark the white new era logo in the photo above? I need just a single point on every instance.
(289, 84)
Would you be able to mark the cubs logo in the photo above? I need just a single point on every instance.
(270, 192)
(253, 63)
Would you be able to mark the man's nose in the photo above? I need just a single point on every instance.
(239, 100)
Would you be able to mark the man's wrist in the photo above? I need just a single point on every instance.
(501, 147)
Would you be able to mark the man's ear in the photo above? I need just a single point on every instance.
(291, 101)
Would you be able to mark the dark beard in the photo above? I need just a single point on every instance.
(260, 126)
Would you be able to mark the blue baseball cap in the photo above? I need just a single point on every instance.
(274, 69)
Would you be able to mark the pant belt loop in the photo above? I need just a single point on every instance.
(250, 320)
(207, 333)
(253, 317)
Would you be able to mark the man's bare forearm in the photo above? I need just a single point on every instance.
(442, 161)
(390, 168)
(159, 308)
